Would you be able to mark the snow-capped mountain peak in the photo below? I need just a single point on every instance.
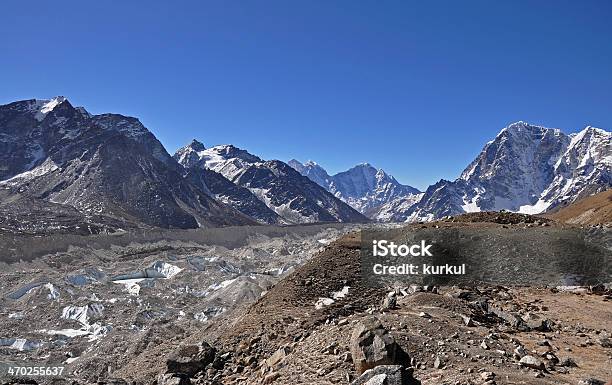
(312, 171)
(41, 107)
(526, 168)
(196, 145)
(369, 190)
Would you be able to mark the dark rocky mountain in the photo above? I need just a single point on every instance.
(295, 198)
(371, 191)
(526, 168)
(236, 196)
(105, 170)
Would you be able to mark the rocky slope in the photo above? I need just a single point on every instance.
(104, 168)
(526, 168)
(309, 328)
(371, 191)
(294, 198)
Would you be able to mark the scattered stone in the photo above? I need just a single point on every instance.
(424, 315)
(389, 302)
(329, 349)
(323, 371)
(568, 362)
(190, 359)
(277, 356)
(387, 375)
(173, 379)
(467, 320)
(487, 376)
(270, 378)
(438, 363)
(591, 381)
(531, 362)
(520, 351)
(484, 345)
(372, 345)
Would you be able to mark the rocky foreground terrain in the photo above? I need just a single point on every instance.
(274, 305)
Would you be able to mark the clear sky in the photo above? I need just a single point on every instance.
(416, 88)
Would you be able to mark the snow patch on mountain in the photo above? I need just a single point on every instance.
(46, 167)
(42, 107)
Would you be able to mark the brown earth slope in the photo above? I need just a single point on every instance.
(596, 209)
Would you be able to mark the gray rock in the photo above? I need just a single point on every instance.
(568, 362)
(487, 376)
(605, 342)
(190, 359)
(591, 381)
(387, 375)
(389, 302)
(438, 363)
(531, 362)
(372, 345)
(277, 357)
(173, 379)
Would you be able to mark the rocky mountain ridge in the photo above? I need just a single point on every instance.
(90, 173)
(371, 191)
(526, 168)
(108, 171)
(291, 196)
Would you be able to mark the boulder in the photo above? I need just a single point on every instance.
(591, 381)
(532, 362)
(270, 378)
(387, 375)
(190, 359)
(277, 356)
(372, 345)
(173, 379)
(389, 302)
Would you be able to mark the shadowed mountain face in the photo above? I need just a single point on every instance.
(283, 190)
(107, 168)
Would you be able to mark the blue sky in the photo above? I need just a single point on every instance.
(416, 88)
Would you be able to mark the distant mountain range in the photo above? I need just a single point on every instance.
(63, 169)
(526, 168)
(372, 191)
(287, 196)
